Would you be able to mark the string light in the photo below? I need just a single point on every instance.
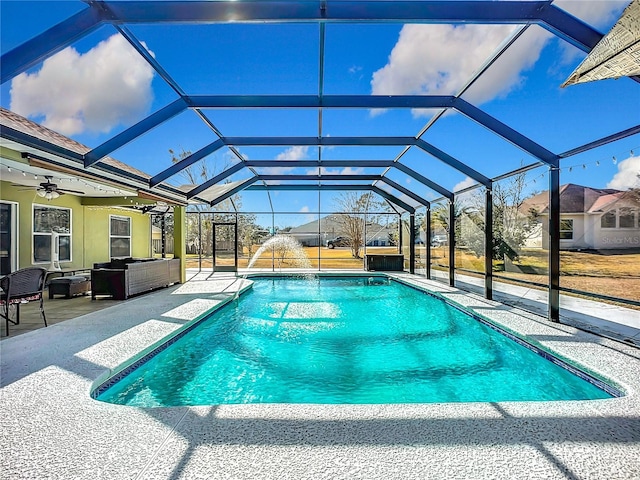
(569, 168)
(596, 163)
(54, 179)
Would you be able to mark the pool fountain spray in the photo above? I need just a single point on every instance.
(283, 247)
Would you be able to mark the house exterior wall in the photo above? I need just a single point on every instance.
(588, 234)
(614, 238)
(96, 233)
(579, 240)
(89, 227)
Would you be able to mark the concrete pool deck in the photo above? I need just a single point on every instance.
(51, 428)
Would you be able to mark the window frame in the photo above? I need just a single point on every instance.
(632, 213)
(615, 219)
(566, 230)
(69, 235)
(112, 236)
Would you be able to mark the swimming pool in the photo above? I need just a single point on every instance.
(344, 340)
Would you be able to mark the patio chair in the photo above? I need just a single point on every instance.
(23, 286)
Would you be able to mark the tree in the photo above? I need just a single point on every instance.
(440, 218)
(224, 212)
(352, 210)
(511, 225)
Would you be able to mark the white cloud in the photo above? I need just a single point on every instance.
(416, 67)
(95, 91)
(598, 13)
(304, 209)
(467, 182)
(343, 171)
(297, 152)
(440, 59)
(628, 175)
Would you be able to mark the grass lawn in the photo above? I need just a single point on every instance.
(337, 258)
(616, 274)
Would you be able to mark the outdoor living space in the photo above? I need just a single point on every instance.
(58, 431)
(444, 195)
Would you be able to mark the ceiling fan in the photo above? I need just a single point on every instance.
(50, 190)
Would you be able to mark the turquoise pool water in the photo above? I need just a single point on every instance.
(343, 340)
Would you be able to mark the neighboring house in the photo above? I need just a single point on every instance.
(99, 213)
(591, 218)
(327, 228)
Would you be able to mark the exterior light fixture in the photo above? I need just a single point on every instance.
(50, 195)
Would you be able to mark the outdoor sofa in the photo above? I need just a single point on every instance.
(122, 278)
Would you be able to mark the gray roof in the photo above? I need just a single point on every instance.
(574, 199)
(26, 126)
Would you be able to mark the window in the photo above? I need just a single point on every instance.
(627, 217)
(119, 236)
(46, 220)
(566, 229)
(608, 220)
(8, 237)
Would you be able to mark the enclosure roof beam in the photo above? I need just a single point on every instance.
(424, 180)
(342, 163)
(569, 28)
(360, 141)
(218, 178)
(319, 178)
(506, 132)
(160, 11)
(449, 160)
(143, 126)
(602, 141)
(379, 191)
(50, 42)
(324, 101)
(405, 191)
(233, 191)
(40, 47)
(186, 162)
(331, 101)
(150, 59)
(393, 199)
(316, 142)
(380, 178)
(354, 163)
(317, 163)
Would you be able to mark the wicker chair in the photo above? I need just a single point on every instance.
(22, 286)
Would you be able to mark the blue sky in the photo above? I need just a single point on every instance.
(99, 87)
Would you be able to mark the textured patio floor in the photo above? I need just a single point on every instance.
(51, 428)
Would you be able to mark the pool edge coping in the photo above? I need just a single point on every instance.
(602, 381)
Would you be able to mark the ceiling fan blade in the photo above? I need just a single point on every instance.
(64, 190)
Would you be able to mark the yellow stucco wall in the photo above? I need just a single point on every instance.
(90, 227)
